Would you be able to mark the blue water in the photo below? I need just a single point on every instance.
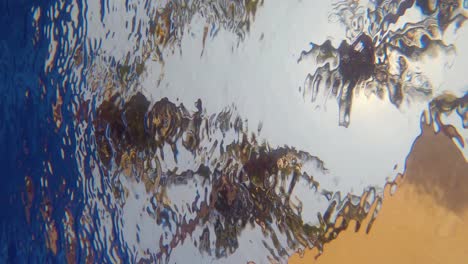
(55, 188)
(29, 138)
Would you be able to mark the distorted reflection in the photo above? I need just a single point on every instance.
(172, 131)
(380, 59)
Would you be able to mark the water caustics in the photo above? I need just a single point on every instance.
(192, 142)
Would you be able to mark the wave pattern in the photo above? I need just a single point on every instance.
(239, 182)
(378, 59)
(108, 174)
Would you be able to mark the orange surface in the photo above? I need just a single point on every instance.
(425, 221)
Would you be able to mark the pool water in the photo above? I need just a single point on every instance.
(215, 131)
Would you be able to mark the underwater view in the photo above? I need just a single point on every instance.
(234, 131)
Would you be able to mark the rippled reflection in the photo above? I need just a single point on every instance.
(172, 131)
(378, 59)
(239, 182)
